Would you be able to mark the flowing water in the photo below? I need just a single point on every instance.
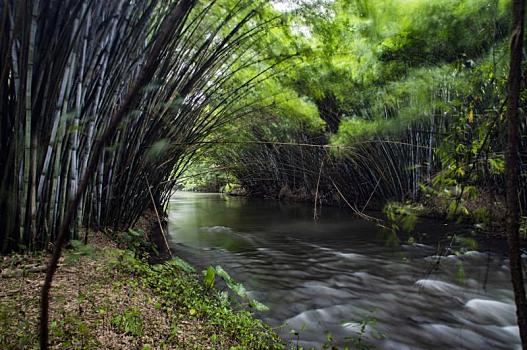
(347, 277)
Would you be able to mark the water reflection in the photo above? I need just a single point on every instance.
(334, 274)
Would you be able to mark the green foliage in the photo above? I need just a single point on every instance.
(129, 322)
(401, 217)
(134, 240)
(228, 188)
(482, 216)
(205, 175)
(179, 288)
(239, 289)
(77, 250)
(358, 341)
(77, 332)
(430, 31)
(388, 78)
(209, 277)
(361, 46)
(278, 114)
(16, 332)
(181, 264)
(465, 243)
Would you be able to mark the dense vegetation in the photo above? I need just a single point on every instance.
(69, 68)
(124, 302)
(387, 100)
(107, 106)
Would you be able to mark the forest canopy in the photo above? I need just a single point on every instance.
(376, 86)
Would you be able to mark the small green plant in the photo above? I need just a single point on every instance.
(239, 289)
(130, 322)
(78, 249)
(358, 342)
(136, 241)
(209, 277)
(402, 217)
(181, 264)
(328, 344)
(482, 218)
(464, 243)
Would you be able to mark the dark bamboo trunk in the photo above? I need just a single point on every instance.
(512, 168)
(171, 23)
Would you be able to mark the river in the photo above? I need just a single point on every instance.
(347, 277)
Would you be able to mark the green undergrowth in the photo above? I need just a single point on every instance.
(179, 288)
(109, 298)
(484, 216)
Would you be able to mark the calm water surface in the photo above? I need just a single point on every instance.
(333, 274)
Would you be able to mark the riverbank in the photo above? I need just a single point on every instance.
(478, 207)
(105, 298)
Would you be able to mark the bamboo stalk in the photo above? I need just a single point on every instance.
(170, 24)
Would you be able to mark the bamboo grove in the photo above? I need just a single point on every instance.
(66, 68)
(408, 103)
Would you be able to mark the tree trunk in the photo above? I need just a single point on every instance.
(512, 169)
